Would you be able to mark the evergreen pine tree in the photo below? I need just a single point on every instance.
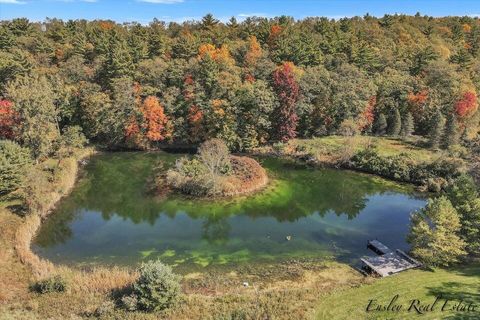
(465, 199)
(119, 61)
(451, 133)
(232, 23)
(380, 125)
(408, 125)
(7, 39)
(395, 124)
(436, 130)
(208, 21)
(434, 233)
(79, 44)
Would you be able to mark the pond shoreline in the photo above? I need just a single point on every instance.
(29, 228)
(32, 222)
(112, 172)
(210, 283)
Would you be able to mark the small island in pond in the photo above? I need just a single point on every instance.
(214, 172)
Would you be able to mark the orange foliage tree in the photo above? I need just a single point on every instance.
(132, 131)
(417, 103)
(220, 55)
(150, 125)
(155, 122)
(275, 31)
(254, 52)
(418, 98)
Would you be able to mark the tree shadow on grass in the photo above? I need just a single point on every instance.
(458, 292)
(471, 269)
(18, 209)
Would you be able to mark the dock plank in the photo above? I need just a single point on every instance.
(388, 262)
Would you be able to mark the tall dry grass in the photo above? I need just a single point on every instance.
(43, 194)
(99, 280)
(40, 267)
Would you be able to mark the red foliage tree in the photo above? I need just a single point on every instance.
(249, 78)
(285, 117)
(467, 105)
(8, 120)
(368, 115)
(188, 88)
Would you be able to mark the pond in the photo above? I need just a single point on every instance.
(110, 217)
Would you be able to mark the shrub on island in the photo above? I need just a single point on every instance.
(215, 172)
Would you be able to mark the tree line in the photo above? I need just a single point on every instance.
(248, 83)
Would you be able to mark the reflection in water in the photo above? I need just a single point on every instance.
(110, 218)
(215, 229)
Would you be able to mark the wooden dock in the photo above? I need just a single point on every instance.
(387, 262)
(378, 247)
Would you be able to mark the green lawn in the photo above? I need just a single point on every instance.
(460, 284)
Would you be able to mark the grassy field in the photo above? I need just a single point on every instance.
(331, 145)
(459, 284)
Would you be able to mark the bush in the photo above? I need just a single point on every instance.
(53, 284)
(190, 168)
(435, 184)
(447, 168)
(348, 128)
(73, 137)
(157, 288)
(402, 167)
(14, 161)
(105, 308)
(130, 302)
(458, 151)
(188, 177)
(214, 172)
(278, 147)
(368, 160)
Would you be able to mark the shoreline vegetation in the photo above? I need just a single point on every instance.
(392, 159)
(65, 177)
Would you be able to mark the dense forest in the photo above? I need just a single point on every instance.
(249, 83)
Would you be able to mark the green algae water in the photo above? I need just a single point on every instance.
(111, 218)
